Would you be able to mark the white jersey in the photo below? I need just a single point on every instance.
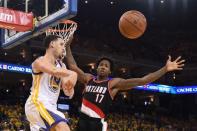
(41, 106)
(45, 88)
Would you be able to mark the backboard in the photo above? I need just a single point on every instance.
(10, 38)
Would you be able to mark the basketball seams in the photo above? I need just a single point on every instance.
(127, 33)
(132, 24)
(137, 15)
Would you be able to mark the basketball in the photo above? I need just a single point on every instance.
(132, 24)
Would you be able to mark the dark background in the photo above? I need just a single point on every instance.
(171, 30)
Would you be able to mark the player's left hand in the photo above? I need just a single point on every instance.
(174, 65)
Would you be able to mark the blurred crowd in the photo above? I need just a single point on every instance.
(12, 118)
(154, 45)
(134, 122)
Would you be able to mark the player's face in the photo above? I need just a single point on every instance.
(103, 68)
(59, 47)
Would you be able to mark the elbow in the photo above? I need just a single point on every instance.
(75, 75)
(69, 93)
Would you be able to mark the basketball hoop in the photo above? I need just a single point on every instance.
(64, 29)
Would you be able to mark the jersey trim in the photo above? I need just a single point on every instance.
(36, 73)
(97, 81)
(93, 107)
(39, 106)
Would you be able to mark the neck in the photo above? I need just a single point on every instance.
(48, 55)
(101, 78)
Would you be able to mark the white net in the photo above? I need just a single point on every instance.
(64, 29)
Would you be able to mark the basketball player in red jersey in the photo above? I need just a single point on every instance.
(100, 90)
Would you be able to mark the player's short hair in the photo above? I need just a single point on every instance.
(108, 59)
(48, 39)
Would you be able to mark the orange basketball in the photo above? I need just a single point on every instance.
(132, 24)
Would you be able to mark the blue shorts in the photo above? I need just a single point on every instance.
(40, 116)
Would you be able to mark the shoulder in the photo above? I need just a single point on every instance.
(89, 77)
(38, 60)
(114, 81)
(37, 63)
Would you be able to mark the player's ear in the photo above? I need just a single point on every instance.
(52, 44)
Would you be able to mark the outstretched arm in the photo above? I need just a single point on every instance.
(42, 65)
(126, 84)
(82, 77)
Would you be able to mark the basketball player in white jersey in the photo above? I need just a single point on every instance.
(49, 75)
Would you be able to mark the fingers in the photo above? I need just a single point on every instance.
(177, 59)
(169, 58)
(181, 65)
(179, 69)
(180, 62)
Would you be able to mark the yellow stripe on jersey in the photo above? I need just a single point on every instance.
(56, 86)
(40, 107)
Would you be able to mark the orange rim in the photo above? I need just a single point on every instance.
(67, 22)
(63, 22)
